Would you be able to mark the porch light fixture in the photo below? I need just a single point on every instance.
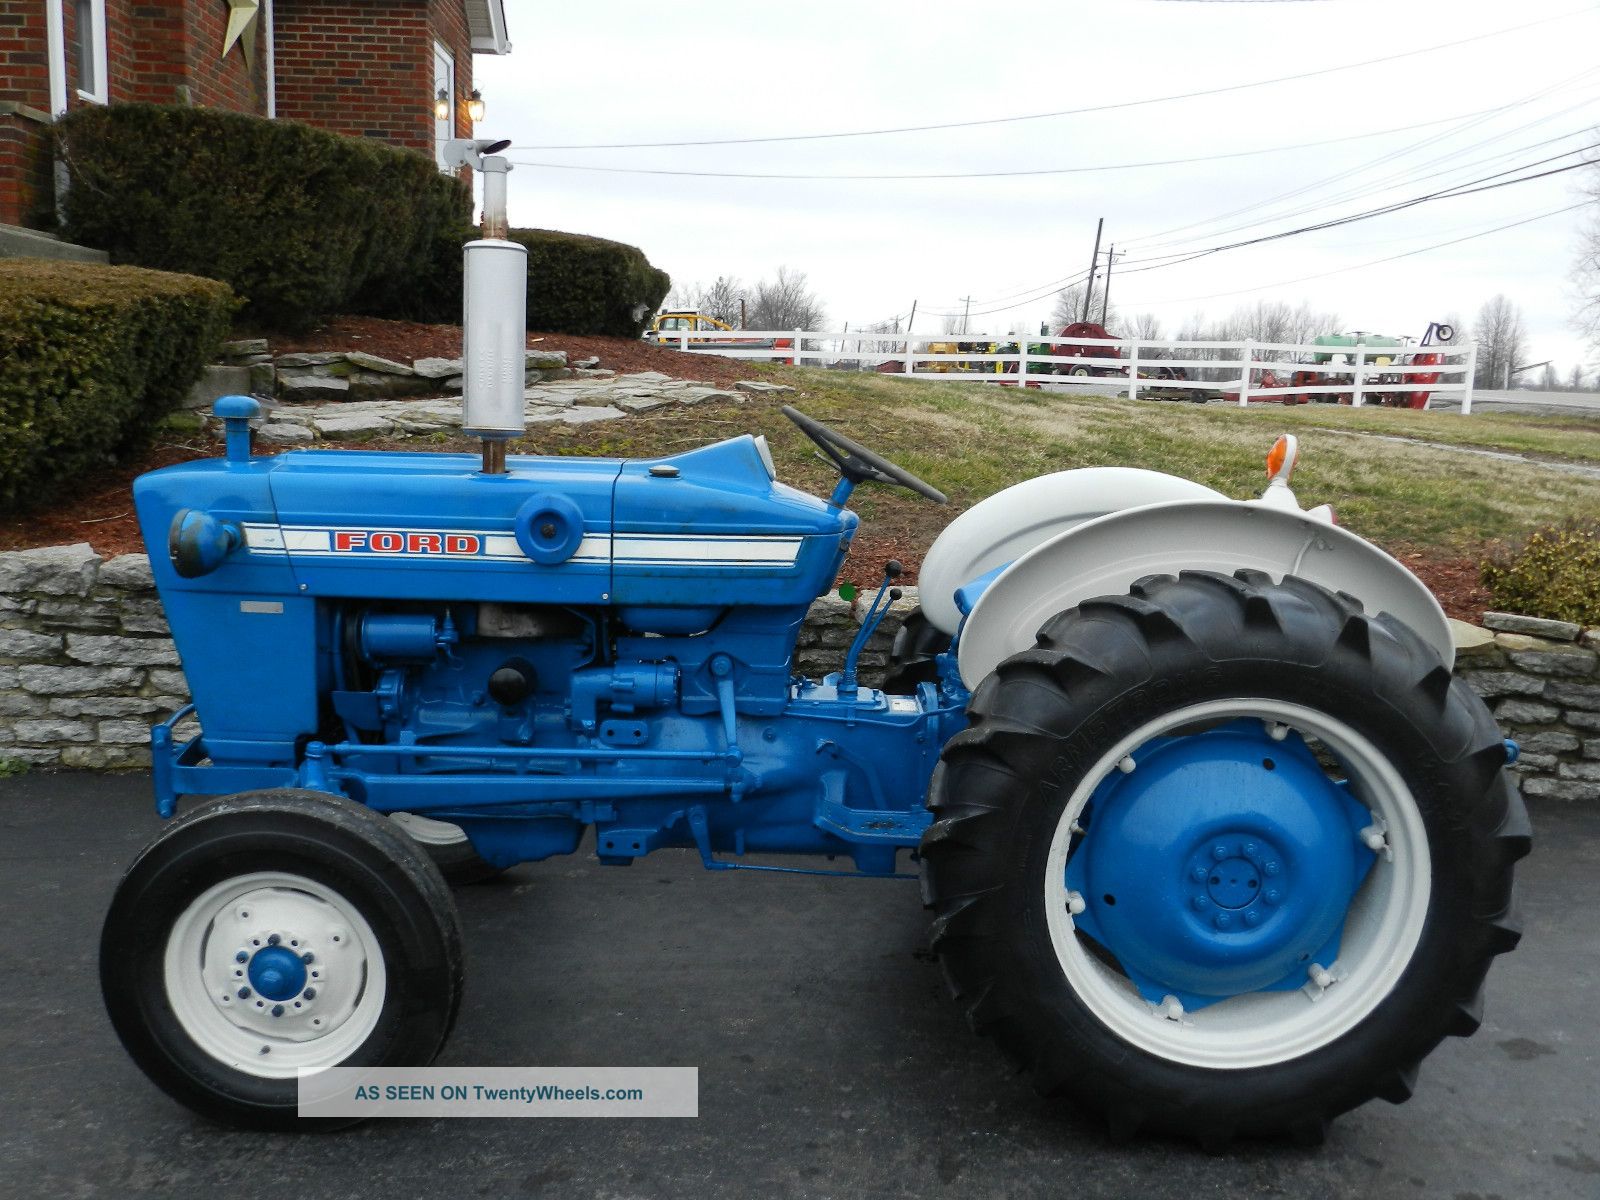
(441, 105)
(475, 106)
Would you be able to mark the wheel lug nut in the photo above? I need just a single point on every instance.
(1252, 918)
(1272, 868)
(273, 940)
(1250, 849)
(1200, 903)
(1219, 852)
(244, 993)
(1273, 896)
(311, 993)
(241, 957)
(1222, 921)
(308, 957)
(277, 1010)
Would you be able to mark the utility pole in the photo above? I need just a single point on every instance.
(742, 325)
(1513, 371)
(912, 319)
(1105, 298)
(967, 302)
(1094, 265)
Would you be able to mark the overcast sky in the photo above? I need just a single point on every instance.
(604, 72)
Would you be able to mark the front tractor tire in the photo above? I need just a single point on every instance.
(273, 933)
(1223, 857)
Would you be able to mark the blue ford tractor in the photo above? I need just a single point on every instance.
(1213, 841)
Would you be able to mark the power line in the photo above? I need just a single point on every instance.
(1465, 189)
(1130, 166)
(1389, 184)
(1377, 261)
(1450, 193)
(1469, 121)
(1072, 112)
(1038, 292)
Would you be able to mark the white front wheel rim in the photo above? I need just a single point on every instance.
(274, 931)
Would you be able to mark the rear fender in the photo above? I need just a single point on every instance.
(1105, 556)
(1012, 522)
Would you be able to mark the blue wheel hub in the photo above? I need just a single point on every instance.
(1223, 863)
(277, 973)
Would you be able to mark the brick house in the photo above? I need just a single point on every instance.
(396, 70)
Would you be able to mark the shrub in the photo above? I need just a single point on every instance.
(576, 283)
(1555, 573)
(300, 222)
(91, 359)
(588, 285)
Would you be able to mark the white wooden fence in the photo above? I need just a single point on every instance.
(1240, 372)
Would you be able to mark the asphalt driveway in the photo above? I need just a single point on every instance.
(830, 1062)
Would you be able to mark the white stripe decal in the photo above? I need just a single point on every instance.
(623, 549)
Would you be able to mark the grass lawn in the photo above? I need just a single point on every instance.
(1434, 506)
(972, 440)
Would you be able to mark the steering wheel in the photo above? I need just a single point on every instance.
(858, 464)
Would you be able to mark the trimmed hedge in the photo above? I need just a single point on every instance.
(1555, 574)
(580, 284)
(576, 283)
(300, 222)
(91, 358)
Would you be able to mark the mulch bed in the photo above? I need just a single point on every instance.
(1457, 582)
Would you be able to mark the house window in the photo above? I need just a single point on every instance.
(90, 49)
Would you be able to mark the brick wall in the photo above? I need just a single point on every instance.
(26, 196)
(26, 191)
(24, 68)
(365, 67)
(361, 67)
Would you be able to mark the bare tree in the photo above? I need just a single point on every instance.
(1069, 308)
(1549, 382)
(682, 297)
(1586, 271)
(722, 299)
(1575, 380)
(786, 302)
(1502, 338)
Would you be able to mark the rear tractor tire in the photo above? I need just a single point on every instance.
(1223, 857)
(273, 933)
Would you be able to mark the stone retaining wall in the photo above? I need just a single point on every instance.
(1542, 681)
(86, 664)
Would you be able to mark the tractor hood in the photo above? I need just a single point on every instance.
(712, 524)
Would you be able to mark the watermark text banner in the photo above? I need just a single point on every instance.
(501, 1092)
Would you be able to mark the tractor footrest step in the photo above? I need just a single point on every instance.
(876, 825)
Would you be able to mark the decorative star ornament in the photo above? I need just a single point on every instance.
(242, 16)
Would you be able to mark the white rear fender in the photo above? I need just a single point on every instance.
(1106, 555)
(1012, 522)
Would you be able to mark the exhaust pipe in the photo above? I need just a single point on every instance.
(494, 314)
